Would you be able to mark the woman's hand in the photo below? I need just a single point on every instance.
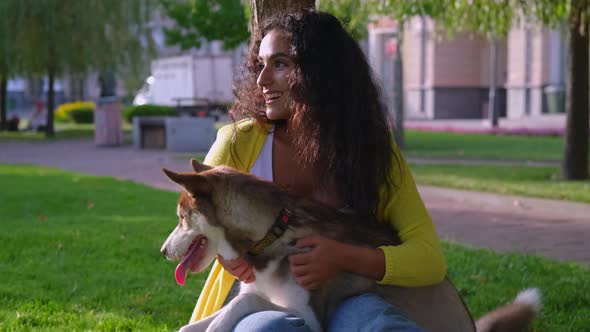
(239, 268)
(321, 263)
(328, 257)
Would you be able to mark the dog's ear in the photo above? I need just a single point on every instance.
(198, 167)
(193, 183)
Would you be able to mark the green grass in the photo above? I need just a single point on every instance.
(62, 131)
(482, 146)
(514, 180)
(486, 280)
(82, 253)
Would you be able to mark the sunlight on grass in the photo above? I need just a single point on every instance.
(91, 243)
(486, 280)
(82, 253)
(62, 131)
(513, 180)
(483, 146)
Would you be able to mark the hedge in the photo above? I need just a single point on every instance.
(82, 115)
(64, 112)
(148, 110)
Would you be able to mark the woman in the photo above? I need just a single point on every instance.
(313, 121)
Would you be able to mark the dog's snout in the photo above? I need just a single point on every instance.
(164, 252)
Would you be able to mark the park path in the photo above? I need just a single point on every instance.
(554, 229)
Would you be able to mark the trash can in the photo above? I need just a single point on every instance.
(554, 99)
(107, 122)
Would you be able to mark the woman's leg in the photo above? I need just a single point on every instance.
(271, 321)
(369, 312)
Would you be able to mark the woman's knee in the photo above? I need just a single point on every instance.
(271, 321)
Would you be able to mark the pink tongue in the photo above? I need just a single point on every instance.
(193, 257)
(180, 274)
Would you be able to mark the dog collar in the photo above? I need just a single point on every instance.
(277, 229)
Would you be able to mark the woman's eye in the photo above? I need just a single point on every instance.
(280, 64)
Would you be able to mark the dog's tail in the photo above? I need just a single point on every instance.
(513, 317)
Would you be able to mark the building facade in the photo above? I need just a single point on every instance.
(450, 78)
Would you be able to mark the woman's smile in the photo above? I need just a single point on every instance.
(270, 97)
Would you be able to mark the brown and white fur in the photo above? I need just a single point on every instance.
(233, 211)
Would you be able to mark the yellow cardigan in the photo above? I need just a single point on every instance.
(418, 261)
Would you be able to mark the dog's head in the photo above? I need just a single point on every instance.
(221, 211)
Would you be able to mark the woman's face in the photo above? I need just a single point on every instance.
(276, 66)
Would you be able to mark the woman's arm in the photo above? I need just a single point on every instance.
(418, 260)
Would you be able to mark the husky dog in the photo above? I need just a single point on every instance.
(226, 212)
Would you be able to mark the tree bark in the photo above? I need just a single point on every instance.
(49, 129)
(398, 89)
(493, 104)
(3, 105)
(575, 158)
(262, 9)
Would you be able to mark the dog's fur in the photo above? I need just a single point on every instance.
(234, 210)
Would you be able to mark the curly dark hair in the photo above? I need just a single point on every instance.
(339, 121)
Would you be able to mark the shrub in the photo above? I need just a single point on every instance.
(64, 112)
(148, 110)
(12, 123)
(82, 115)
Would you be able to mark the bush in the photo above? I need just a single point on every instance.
(82, 115)
(64, 112)
(148, 110)
(12, 123)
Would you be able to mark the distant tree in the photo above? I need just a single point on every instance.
(355, 14)
(227, 20)
(8, 57)
(496, 18)
(198, 20)
(71, 36)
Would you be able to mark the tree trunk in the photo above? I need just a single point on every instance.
(493, 104)
(261, 9)
(49, 130)
(3, 104)
(398, 88)
(575, 158)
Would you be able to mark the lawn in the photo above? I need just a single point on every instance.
(486, 279)
(482, 146)
(82, 253)
(62, 131)
(539, 182)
